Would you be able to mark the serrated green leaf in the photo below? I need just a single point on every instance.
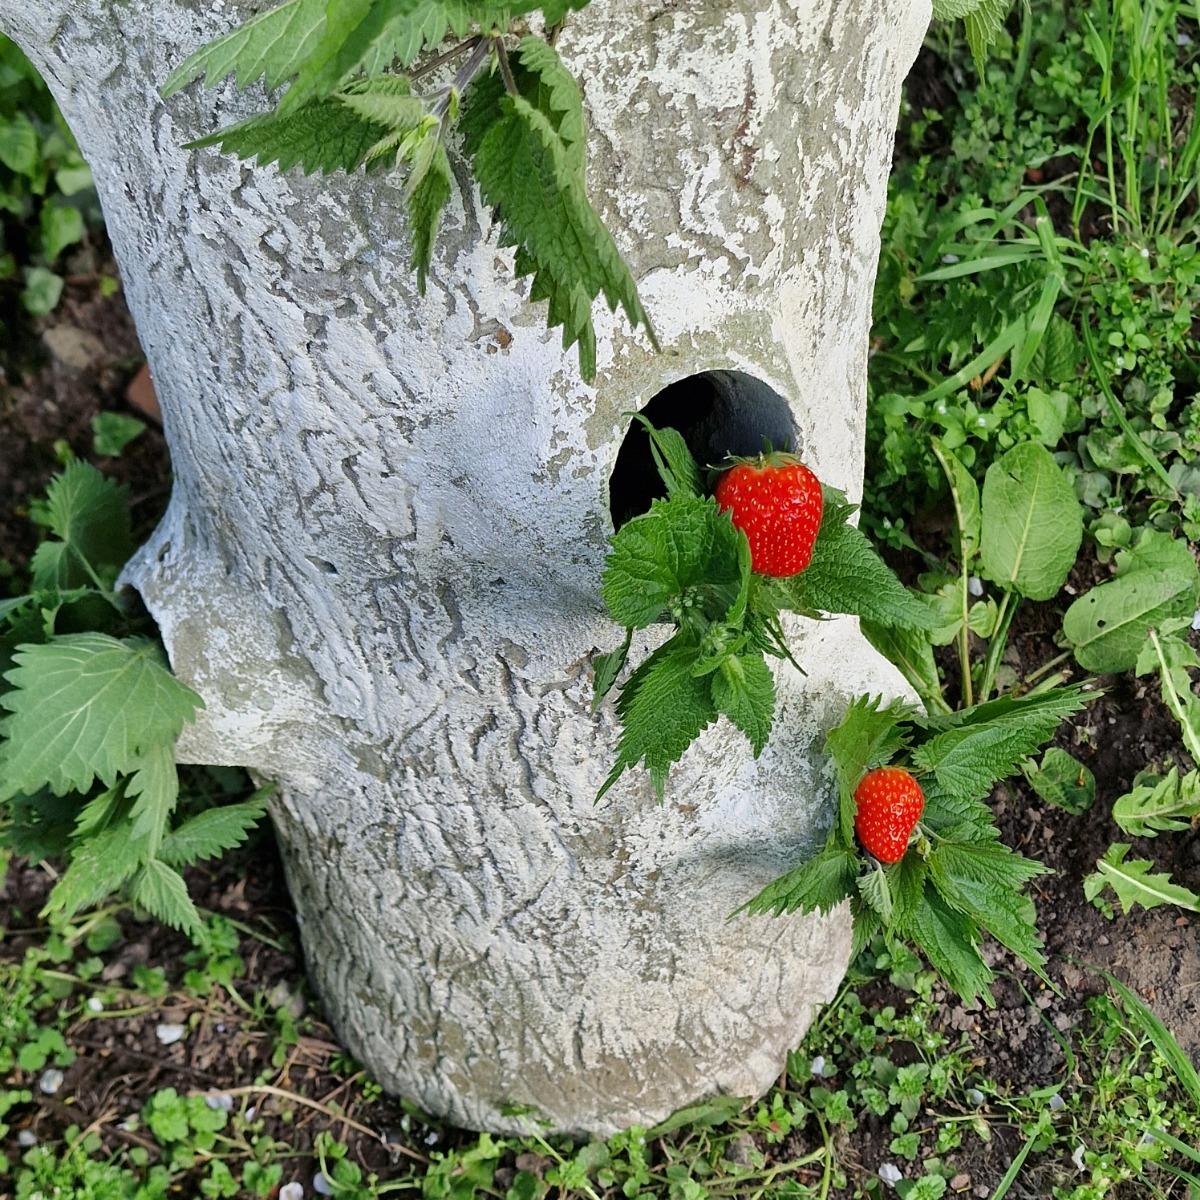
(983, 26)
(663, 709)
(869, 735)
(87, 706)
(983, 880)
(1160, 804)
(906, 883)
(270, 47)
(961, 817)
(676, 466)
(820, 884)
(912, 652)
(1063, 781)
(950, 941)
(426, 202)
(98, 867)
(866, 925)
(211, 833)
(743, 689)
(89, 514)
(1134, 883)
(846, 575)
(160, 890)
(113, 431)
(154, 790)
(606, 668)
(1155, 583)
(1032, 524)
(323, 136)
(99, 811)
(876, 891)
(682, 542)
(973, 755)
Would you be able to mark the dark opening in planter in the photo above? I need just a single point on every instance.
(718, 413)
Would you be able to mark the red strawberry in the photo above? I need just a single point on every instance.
(889, 804)
(776, 501)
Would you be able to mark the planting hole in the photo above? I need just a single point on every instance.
(718, 413)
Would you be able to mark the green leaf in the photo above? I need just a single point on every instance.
(906, 885)
(1032, 523)
(984, 747)
(61, 225)
(870, 735)
(606, 668)
(950, 941)
(89, 514)
(1063, 781)
(674, 460)
(98, 812)
(1155, 583)
(982, 880)
(270, 47)
(530, 173)
(426, 201)
(820, 884)
(98, 867)
(323, 136)
(911, 651)
(683, 542)
(211, 833)
(846, 575)
(113, 431)
(1134, 884)
(87, 706)
(664, 708)
(160, 890)
(963, 817)
(19, 144)
(1160, 804)
(743, 689)
(983, 25)
(42, 291)
(964, 492)
(876, 891)
(154, 789)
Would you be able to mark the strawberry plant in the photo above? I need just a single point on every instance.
(364, 91)
(87, 763)
(689, 561)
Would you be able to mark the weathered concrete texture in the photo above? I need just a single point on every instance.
(380, 562)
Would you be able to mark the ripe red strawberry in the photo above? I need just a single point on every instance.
(889, 804)
(776, 501)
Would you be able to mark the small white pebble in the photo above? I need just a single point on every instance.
(95, 1004)
(974, 1096)
(219, 1100)
(291, 1191)
(1147, 1139)
(949, 258)
(169, 1034)
(818, 1066)
(220, 1027)
(1183, 39)
(250, 1112)
(26, 1138)
(1057, 1103)
(321, 1185)
(975, 585)
(1196, 619)
(890, 1174)
(51, 1081)
(1077, 1156)
(431, 1138)
(1145, 252)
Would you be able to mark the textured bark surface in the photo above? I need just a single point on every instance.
(381, 558)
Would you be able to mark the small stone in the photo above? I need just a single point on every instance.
(975, 585)
(1077, 1156)
(51, 1081)
(960, 1183)
(222, 1101)
(26, 1138)
(1057, 1103)
(291, 1191)
(818, 1066)
(250, 1112)
(890, 1174)
(95, 1004)
(73, 348)
(975, 1097)
(321, 1185)
(169, 1034)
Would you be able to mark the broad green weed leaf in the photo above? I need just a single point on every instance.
(819, 884)
(964, 492)
(98, 867)
(211, 833)
(113, 431)
(160, 890)
(1160, 804)
(1032, 523)
(1063, 781)
(1156, 583)
(87, 706)
(950, 941)
(911, 651)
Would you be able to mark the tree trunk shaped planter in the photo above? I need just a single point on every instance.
(380, 564)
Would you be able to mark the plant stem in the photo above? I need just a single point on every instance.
(510, 84)
(1004, 617)
(1045, 668)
